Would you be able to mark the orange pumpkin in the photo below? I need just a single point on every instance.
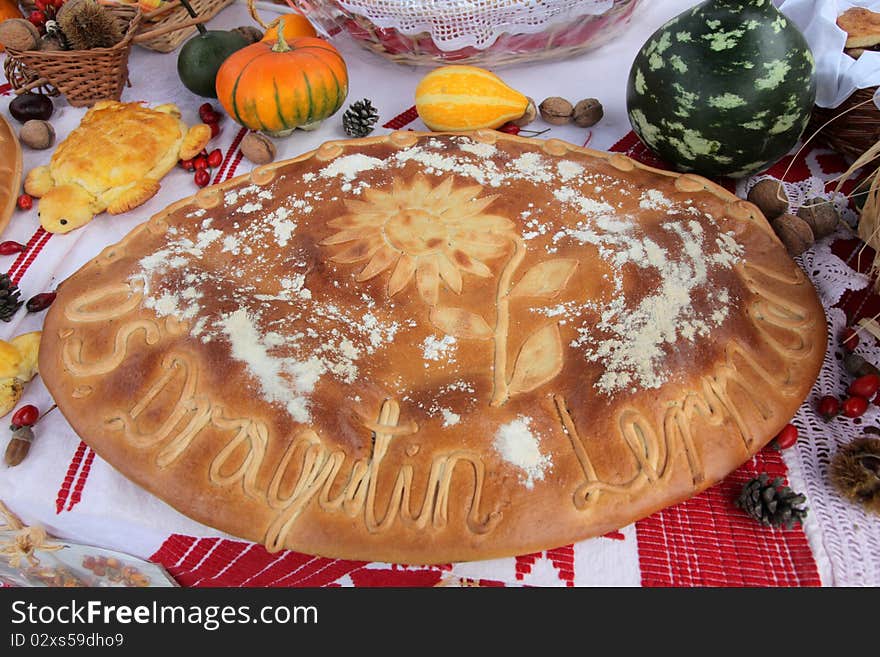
(278, 87)
(8, 9)
(295, 25)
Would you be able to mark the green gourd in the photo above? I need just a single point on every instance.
(724, 89)
(200, 57)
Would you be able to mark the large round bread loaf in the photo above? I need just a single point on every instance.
(431, 348)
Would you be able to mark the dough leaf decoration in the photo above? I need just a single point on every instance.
(539, 360)
(460, 323)
(546, 279)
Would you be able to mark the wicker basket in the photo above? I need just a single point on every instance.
(852, 128)
(171, 15)
(83, 76)
(174, 16)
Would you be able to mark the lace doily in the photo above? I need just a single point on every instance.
(844, 537)
(456, 24)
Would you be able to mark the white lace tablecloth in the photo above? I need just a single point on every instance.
(64, 487)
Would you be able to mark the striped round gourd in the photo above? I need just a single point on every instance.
(724, 89)
(467, 98)
(276, 87)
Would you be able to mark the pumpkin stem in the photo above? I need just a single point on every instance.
(281, 44)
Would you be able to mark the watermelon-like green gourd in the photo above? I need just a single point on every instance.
(724, 89)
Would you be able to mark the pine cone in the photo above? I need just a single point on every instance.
(359, 119)
(771, 503)
(9, 301)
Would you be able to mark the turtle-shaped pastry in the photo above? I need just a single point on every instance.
(113, 161)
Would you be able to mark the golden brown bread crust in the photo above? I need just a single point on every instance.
(422, 348)
(10, 171)
(862, 27)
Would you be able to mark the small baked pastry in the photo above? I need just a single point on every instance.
(113, 161)
(431, 348)
(863, 29)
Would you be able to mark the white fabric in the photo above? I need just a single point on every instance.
(839, 75)
(456, 24)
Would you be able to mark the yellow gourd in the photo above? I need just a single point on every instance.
(467, 98)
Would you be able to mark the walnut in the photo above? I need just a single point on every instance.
(258, 148)
(249, 32)
(556, 110)
(821, 214)
(794, 232)
(588, 112)
(19, 34)
(770, 197)
(37, 134)
(530, 115)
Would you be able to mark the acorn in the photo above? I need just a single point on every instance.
(18, 446)
(770, 197)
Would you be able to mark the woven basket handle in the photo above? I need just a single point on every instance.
(252, 10)
(39, 82)
(159, 31)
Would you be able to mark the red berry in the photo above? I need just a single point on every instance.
(9, 247)
(850, 338)
(865, 386)
(509, 128)
(855, 406)
(829, 407)
(40, 302)
(26, 416)
(25, 202)
(204, 108)
(200, 162)
(187, 165)
(57, 4)
(787, 437)
(202, 177)
(37, 18)
(208, 114)
(215, 158)
(40, 5)
(215, 129)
